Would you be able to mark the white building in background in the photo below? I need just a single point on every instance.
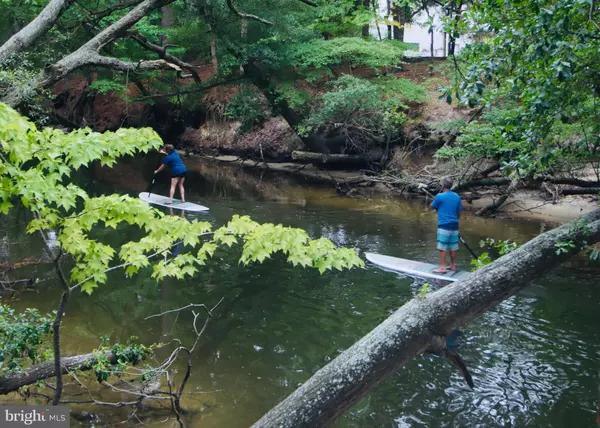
(416, 33)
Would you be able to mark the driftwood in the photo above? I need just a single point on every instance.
(574, 182)
(584, 191)
(7, 266)
(418, 326)
(330, 159)
(13, 381)
(494, 206)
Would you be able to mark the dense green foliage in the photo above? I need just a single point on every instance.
(21, 337)
(127, 354)
(356, 106)
(246, 106)
(544, 56)
(354, 51)
(365, 111)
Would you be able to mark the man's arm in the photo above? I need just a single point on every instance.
(435, 204)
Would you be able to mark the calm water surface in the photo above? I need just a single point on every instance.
(534, 358)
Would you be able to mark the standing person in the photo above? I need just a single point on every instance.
(178, 170)
(449, 207)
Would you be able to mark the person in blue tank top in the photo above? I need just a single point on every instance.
(178, 171)
(449, 207)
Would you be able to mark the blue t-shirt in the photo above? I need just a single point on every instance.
(174, 162)
(448, 206)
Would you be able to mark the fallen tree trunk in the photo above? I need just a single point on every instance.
(584, 191)
(574, 182)
(329, 159)
(480, 183)
(13, 381)
(498, 203)
(419, 325)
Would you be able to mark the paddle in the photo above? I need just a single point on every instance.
(154, 176)
(470, 251)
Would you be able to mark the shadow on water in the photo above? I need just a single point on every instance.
(534, 358)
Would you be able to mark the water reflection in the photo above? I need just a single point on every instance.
(531, 357)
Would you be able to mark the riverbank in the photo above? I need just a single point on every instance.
(523, 204)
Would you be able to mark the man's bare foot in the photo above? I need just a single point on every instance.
(452, 267)
(169, 202)
(439, 270)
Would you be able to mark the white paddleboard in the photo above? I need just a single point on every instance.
(414, 268)
(177, 204)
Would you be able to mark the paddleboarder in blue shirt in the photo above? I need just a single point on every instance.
(178, 171)
(449, 207)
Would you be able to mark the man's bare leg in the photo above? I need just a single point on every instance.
(442, 267)
(453, 260)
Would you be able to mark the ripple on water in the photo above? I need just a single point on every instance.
(523, 366)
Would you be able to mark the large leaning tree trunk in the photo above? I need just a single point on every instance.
(89, 53)
(421, 325)
(32, 32)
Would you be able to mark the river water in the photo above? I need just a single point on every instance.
(534, 358)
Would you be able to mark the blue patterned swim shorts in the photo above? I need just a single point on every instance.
(447, 237)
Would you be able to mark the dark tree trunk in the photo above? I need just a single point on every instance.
(257, 77)
(456, 10)
(574, 182)
(586, 191)
(420, 326)
(167, 20)
(389, 13)
(401, 15)
(451, 45)
(431, 45)
(365, 29)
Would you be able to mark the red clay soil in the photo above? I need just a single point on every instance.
(101, 112)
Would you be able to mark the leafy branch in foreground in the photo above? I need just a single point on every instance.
(36, 166)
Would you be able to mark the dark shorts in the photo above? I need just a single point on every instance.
(182, 175)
